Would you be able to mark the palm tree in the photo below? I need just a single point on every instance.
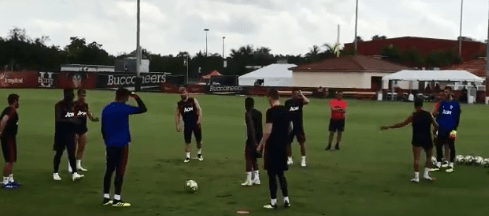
(313, 52)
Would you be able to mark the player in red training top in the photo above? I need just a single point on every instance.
(81, 129)
(295, 105)
(8, 132)
(337, 122)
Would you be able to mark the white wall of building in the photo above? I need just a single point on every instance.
(343, 80)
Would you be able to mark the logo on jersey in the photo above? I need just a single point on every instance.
(188, 109)
(447, 112)
(292, 109)
(80, 113)
(70, 114)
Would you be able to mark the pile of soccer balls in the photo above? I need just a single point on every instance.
(468, 160)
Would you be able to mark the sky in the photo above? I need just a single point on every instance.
(285, 26)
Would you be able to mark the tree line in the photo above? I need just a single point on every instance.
(20, 52)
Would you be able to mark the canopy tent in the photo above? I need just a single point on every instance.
(211, 74)
(272, 75)
(454, 76)
(434, 75)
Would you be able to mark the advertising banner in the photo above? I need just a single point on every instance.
(46, 79)
(116, 80)
(18, 79)
(76, 80)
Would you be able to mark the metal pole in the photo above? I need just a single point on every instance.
(223, 47)
(138, 50)
(487, 65)
(187, 70)
(460, 37)
(338, 40)
(206, 30)
(356, 27)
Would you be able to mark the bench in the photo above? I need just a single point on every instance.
(361, 95)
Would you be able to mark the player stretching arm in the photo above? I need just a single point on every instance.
(421, 139)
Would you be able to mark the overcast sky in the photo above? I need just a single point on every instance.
(286, 26)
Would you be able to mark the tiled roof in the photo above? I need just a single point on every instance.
(477, 67)
(350, 64)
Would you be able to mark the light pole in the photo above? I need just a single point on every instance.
(206, 30)
(223, 47)
(138, 50)
(460, 37)
(356, 27)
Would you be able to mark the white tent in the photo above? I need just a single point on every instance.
(433, 75)
(272, 75)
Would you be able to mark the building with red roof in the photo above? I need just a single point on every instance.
(470, 49)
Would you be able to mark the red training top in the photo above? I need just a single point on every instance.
(335, 104)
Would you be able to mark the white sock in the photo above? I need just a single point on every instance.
(107, 196)
(117, 197)
(426, 172)
(11, 178)
(451, 164)
(274, 202)
(248, 176)
(199, 151)
(188, 155)
(303, 158)
(257, 175)
(416, 175)
(5, 180)
(78, 163)
(290, 158)
(286, 199)
(438, 164)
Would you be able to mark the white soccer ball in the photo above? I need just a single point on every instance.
(191, 186)
(469, 160)
(478, 160)
(433, 160)
(459, 159)
(486, 162)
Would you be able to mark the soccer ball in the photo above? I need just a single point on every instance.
(460, 159)
(478, 160)
(191, 186)
(486, 162)
(433, 160)
(453, 135)
(469, 160)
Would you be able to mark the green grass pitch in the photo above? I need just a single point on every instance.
(369, 176)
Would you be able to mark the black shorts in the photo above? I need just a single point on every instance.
(9, 149)
(62, 141)
(275, 160)
(116, 158)
(250, 150)
(299, 134)
(443, 140)
(80, 130)
(195, 129)
(337, 125)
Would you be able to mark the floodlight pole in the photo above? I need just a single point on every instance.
(460, 37)
(356, 27)
(138, 50)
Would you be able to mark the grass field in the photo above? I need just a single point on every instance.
(369, 176)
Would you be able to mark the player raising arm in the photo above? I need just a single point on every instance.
(115, 131)
(189, 110)
(8, 133)
(421, 121)
(295, 106)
